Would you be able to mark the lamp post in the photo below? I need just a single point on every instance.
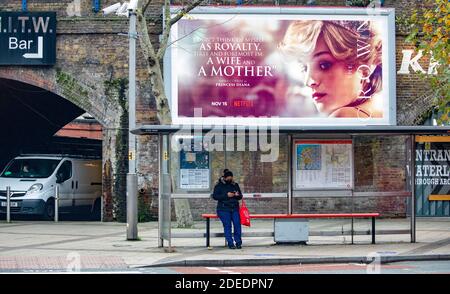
(129, 10)
(132, 207)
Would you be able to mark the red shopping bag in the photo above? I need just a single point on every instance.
(244, 214)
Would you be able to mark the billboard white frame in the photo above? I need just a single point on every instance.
(387, 15)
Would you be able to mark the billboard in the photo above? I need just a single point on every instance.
(305, 66)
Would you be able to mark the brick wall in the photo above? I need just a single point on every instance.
(92, 63)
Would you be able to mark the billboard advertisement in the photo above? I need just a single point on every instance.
(304, 66)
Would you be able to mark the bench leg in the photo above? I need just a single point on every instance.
(207, 231)
(373, 230)
(352, 230)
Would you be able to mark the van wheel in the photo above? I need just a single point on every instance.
(49, 210)
(96, 213)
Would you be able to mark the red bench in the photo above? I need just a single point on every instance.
(374, 215)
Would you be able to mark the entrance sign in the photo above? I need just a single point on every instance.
(432, 175)
(305, 66)
(27, 38)
(433, 167)
(323, 164)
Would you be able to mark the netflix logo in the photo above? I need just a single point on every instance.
(242, 103)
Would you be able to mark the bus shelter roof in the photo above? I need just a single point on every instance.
(349, 130)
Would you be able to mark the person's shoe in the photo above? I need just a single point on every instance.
(239, 246)
(231, 247)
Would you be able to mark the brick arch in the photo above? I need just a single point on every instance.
(89, 96)
(101, 100)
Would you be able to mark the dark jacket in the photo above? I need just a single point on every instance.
(219, 180)
(223, 201)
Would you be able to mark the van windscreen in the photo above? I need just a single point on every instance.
(30, 168)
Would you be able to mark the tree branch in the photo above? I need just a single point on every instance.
(154, 70)
(166, 31)
(171, 21)
(154, 58)
(184, 11)
(145, 42)
(196, 29)
(144, 8)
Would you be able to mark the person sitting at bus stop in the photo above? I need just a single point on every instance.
(228, 194)
(222, 178)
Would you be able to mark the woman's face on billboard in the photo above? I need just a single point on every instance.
(333, 84)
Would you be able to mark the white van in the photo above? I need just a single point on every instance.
(33, 178)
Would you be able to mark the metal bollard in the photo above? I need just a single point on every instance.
(101, 209)
(8, 204)
(56, 203)
(132, 206)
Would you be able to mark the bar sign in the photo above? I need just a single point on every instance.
(27, 38)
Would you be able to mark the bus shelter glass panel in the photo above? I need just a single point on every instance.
(195, 166)
(258, 175)
(383, 184)
(377, 182)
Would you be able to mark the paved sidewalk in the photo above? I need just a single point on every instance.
(34, 245)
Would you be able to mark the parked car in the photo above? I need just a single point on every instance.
(32, 180)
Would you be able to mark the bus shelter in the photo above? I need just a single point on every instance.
(317, 162)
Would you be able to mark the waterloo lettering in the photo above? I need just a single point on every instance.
(433, 167)
(27, 38)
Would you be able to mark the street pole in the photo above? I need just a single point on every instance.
(412, 165)
(290, 182)
(56, 203)
(132, 205)
(8, 204)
